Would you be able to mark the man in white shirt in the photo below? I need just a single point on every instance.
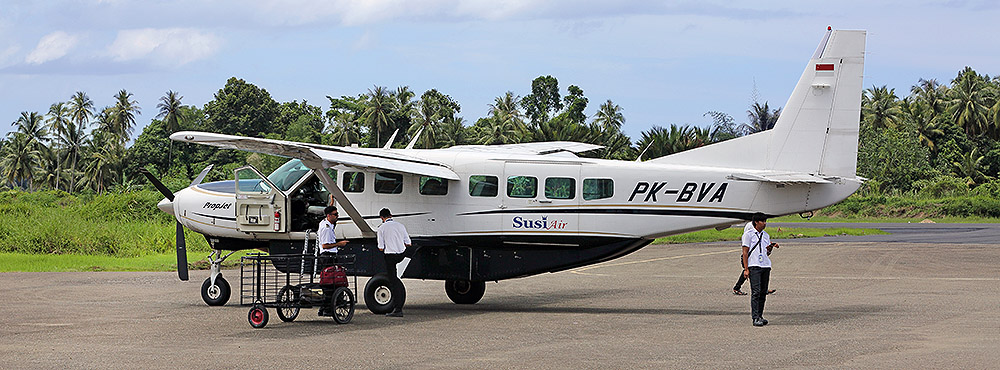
(327, 239)
(392, 241)
(757, 248)
(737, 289)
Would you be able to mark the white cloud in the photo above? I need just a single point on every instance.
(168, 46)
(361, 12)
(51, 47)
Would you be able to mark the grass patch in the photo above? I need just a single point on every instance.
(734, 234)
(872, 219)
(24, 262)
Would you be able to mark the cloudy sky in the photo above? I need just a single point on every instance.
(663, 62)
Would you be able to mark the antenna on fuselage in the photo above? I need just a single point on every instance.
(415, 137)
(388, 144)
(639, 159)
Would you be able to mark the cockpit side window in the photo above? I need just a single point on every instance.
(354, 182)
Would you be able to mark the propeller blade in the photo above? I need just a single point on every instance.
(157, 184)
(182, 259)
(201, 176)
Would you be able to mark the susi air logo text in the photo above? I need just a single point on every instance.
(543, 223)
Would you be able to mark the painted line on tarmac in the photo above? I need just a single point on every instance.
(579, 271)
(834, 277)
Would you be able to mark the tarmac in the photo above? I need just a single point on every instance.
(855, 302)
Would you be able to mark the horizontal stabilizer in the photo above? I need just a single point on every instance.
(782, 178)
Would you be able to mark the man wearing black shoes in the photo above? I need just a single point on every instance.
(757, 248)
(392, 241)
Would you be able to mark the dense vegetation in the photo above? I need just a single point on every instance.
(934, 152)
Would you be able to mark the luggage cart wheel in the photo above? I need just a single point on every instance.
(257, 316)
(343, 305)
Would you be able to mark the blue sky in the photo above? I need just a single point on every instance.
(663, 62)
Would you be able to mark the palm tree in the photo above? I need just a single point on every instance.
(170, 111)
(343, 130)
(968, 106)
(123, 117)
(609, 116)
(19, 160)
(761, 118)
(879, 107)
(922, 116)
(32, 125)
(377, 114)
(73, 141)
(104, 161)
(81, 108)
(932, 93)
(969, 165)
(59, 119)
(427, 119)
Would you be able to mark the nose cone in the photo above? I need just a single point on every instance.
(166, 205)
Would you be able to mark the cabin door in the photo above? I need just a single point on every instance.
(260, 206)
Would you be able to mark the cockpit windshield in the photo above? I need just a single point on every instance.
(288, 174)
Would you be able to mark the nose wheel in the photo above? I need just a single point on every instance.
(215, 294)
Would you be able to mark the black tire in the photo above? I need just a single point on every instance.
(343, 305)
(465, 291)
(216, 295)
(257, 316)
(382, 294)
(288, 300)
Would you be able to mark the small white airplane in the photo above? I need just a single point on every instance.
(489, 213)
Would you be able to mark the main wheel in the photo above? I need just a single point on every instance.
(288, 298)
(215, 295)
(465, 291)
(257, 316)
(383, 293)
(343, 305)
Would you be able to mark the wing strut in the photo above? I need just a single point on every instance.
(366, 229)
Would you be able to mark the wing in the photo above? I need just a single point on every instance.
(329, 156)
(540, 148)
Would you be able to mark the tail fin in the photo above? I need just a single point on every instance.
(817, 132)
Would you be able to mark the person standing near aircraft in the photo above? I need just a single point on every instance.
(327, 239)
(758, 265)
(392, 241)
(737, 289)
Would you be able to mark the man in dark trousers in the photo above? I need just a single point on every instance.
(737, 289)
(392, 241)
(757, 248)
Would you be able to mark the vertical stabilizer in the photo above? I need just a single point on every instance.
(817, 132)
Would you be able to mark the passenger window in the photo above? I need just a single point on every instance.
(433, 186)
(560, 188)
(483, 186)
(598, 188)
(388, 183)
(522, 187)
(354, 182)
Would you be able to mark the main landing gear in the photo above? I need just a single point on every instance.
(382, 294)
(215, 291)
(465, 291)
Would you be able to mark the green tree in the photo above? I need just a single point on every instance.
(543, 100)
(170, 111)
(81, 109)
(968, 104)
(104, 161)
(970, 166)
(58, 121)
(240, 108)
(72, 141)
(880, 108)
(433, 110)
(575, 104)
(378, 112)
(724, 127)
(760, 118)
(19, 160)
(344, 130)
(303, 121)
(123, 115)
(609, 116)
